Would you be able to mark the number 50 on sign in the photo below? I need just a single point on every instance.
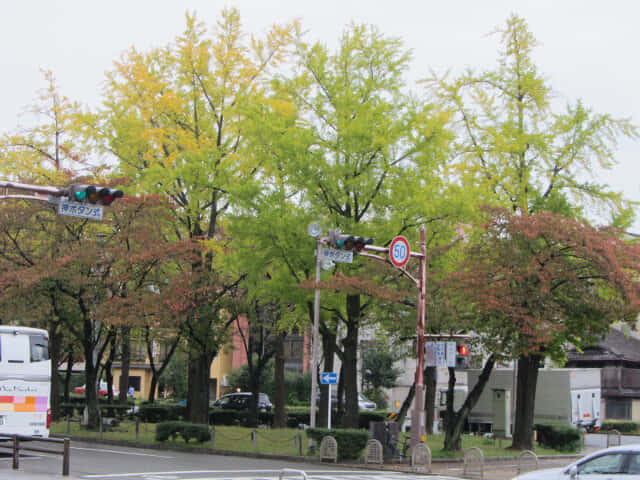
(399, 251)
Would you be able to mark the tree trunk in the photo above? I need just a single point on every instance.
(91, 365)
(350, 364)
(455, 420)
(153, 386)
(527, 381)
(55, 354)
(198, 389)
(156, 373)
(340, 395)
(91, 387)
(406, 404)
(67, 375)
(125, 363)
(107, 367)
(280, 398)
(328, 349)
(429, 397)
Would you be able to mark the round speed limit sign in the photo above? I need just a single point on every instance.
(399, 251)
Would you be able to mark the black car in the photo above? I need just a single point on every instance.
(240, 401)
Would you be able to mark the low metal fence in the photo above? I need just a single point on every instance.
(33, 445)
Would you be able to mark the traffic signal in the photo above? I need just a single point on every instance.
(336, 239)
(462, 358)
(93, 194)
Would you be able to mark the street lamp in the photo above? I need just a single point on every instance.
(314, 230)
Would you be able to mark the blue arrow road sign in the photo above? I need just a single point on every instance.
(329, 378)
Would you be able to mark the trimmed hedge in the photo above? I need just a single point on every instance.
(351, 442)
(621, 426)
(220, 416)
(301, 416)
(152, 413)
(187, 430)
(108, 409)
(562, 437)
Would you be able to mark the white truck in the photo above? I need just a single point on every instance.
(568, 395)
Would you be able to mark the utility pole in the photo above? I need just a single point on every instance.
(398, 254)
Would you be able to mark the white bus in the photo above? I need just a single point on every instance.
(25, 381)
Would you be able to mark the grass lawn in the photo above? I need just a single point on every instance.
(275, 441)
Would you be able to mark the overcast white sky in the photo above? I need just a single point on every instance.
(588, 49)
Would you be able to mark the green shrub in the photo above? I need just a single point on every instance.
(371, 416)
(116, 410)
(154, 413)
(166, 431)
(187, 430)
(351, 442)
(623, 427)
(562, 437)
(74, 408)
(218, 416)
(298, 416)
(198, 431)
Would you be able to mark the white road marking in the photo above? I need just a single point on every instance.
(120, 452)
(310, 473)
(260, 475)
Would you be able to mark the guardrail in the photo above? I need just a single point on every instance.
(17, 446)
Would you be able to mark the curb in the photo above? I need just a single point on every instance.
(310, 460)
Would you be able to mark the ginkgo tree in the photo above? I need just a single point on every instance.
(516, 148)
(173, 117)
(367, 160)
(49, 148)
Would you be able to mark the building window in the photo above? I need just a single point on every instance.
(293, 352)
(618, 408)
(134, 381)
(138, 353)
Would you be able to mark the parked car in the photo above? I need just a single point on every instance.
(621, 462)
(364, 403)
(240, 401)
(102, 391)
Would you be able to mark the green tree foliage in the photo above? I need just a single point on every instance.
(175, 117)
(377, 370)
(516, 149)
(366, 160)
(173, 380)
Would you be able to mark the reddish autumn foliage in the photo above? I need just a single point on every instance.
(541, 281)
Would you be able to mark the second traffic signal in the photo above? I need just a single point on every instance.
(93, 194)
(348, 242)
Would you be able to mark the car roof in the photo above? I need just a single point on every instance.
(631, 447)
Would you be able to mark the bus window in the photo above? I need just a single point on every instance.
(39, 348)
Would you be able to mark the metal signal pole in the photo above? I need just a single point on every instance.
(418, 424)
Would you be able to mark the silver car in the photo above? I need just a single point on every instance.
(615, 463)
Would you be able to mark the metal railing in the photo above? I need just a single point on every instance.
(16, 446)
